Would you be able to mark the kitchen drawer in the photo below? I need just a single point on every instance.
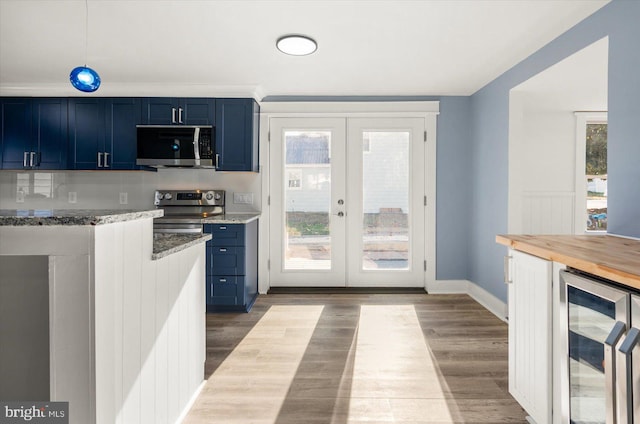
(225, 290)
(225, 260)
(225, 234)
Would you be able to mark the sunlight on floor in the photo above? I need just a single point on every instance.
(394, 377)
(252, 383)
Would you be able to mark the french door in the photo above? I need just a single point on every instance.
(347, 202)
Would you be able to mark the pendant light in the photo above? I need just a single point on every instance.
(84, 78)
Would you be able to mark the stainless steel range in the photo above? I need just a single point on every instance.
(185, 210)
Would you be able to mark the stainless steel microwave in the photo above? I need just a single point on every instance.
(176, 145)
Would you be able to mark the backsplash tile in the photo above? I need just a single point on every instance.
(101, 189)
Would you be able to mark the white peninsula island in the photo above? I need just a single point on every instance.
(97, 311)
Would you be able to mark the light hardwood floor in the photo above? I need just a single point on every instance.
(356, 358)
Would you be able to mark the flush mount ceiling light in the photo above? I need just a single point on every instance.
(296, 45)
(84, 78)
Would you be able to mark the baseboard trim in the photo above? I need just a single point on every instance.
(480, 295)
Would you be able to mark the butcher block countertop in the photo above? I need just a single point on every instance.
(610, 257)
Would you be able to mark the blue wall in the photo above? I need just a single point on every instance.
(490, 123)
(453, 188)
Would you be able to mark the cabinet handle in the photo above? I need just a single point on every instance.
(217, 160)
(25, 159)
(506, 273)
(180, 115)
(173, 115)
(625, 387)
(99, 159)
(31, 156)
(106, 159)
(222, 227)
(222, 249)
(223, 280)
(610, 367)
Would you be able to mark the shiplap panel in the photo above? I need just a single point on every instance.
(530, 335)
(548, 212)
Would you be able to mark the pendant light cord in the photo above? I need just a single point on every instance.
(86, 31)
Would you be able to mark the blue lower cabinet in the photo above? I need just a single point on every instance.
(232, 267)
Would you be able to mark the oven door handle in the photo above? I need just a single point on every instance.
(618, 330)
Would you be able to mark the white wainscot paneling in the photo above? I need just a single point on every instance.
(548, 212)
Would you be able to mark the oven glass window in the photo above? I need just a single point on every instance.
(591, 318)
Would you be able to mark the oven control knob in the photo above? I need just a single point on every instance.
(167, 196)
(217, 196)
(209, 195)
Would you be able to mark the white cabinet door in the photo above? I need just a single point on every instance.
(530, 334)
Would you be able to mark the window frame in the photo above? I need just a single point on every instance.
(580, 206)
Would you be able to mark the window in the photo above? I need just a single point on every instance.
(591, 172)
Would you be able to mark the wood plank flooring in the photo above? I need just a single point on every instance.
(352, 358)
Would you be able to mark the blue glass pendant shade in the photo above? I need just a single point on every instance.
(85, 79)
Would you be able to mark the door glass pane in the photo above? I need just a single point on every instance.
(307, 180)
(596, 174)
(591, 318)
(385, 200)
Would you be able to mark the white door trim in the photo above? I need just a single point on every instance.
(427, 110)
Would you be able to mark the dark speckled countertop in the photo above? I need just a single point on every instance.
(24, 217)
(164, 244)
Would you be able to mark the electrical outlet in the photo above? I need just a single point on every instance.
(73, 197)
(20, 196)
(124, 198)
(243, 198)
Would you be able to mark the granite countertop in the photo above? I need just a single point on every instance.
(606, 256)
(232, 218)
(25, 217)
(164, 244)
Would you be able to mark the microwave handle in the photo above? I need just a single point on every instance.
(196, 142)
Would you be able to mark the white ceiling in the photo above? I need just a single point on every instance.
(218, 48)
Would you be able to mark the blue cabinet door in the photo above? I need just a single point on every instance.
(197, 111)
(34, 133)
(160, 111)
(15, 139)
(49, 124)
(177, 111)
(237, 128)
(122, 116)
(86, 132)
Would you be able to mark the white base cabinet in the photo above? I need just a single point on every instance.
(530, 334)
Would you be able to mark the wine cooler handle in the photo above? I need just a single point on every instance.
(625, 388)
(610, 343)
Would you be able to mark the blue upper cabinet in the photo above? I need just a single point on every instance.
(237, 129)
(122, 116)
(102, 133)
(34, 133)
(178, 111)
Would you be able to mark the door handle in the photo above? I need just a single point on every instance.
(625, 377)
(610, 343)
(99, 159)
(340, 214)
(106, 159)
(25, 159)
(173, 115)
(505, 270)
(340, 202)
